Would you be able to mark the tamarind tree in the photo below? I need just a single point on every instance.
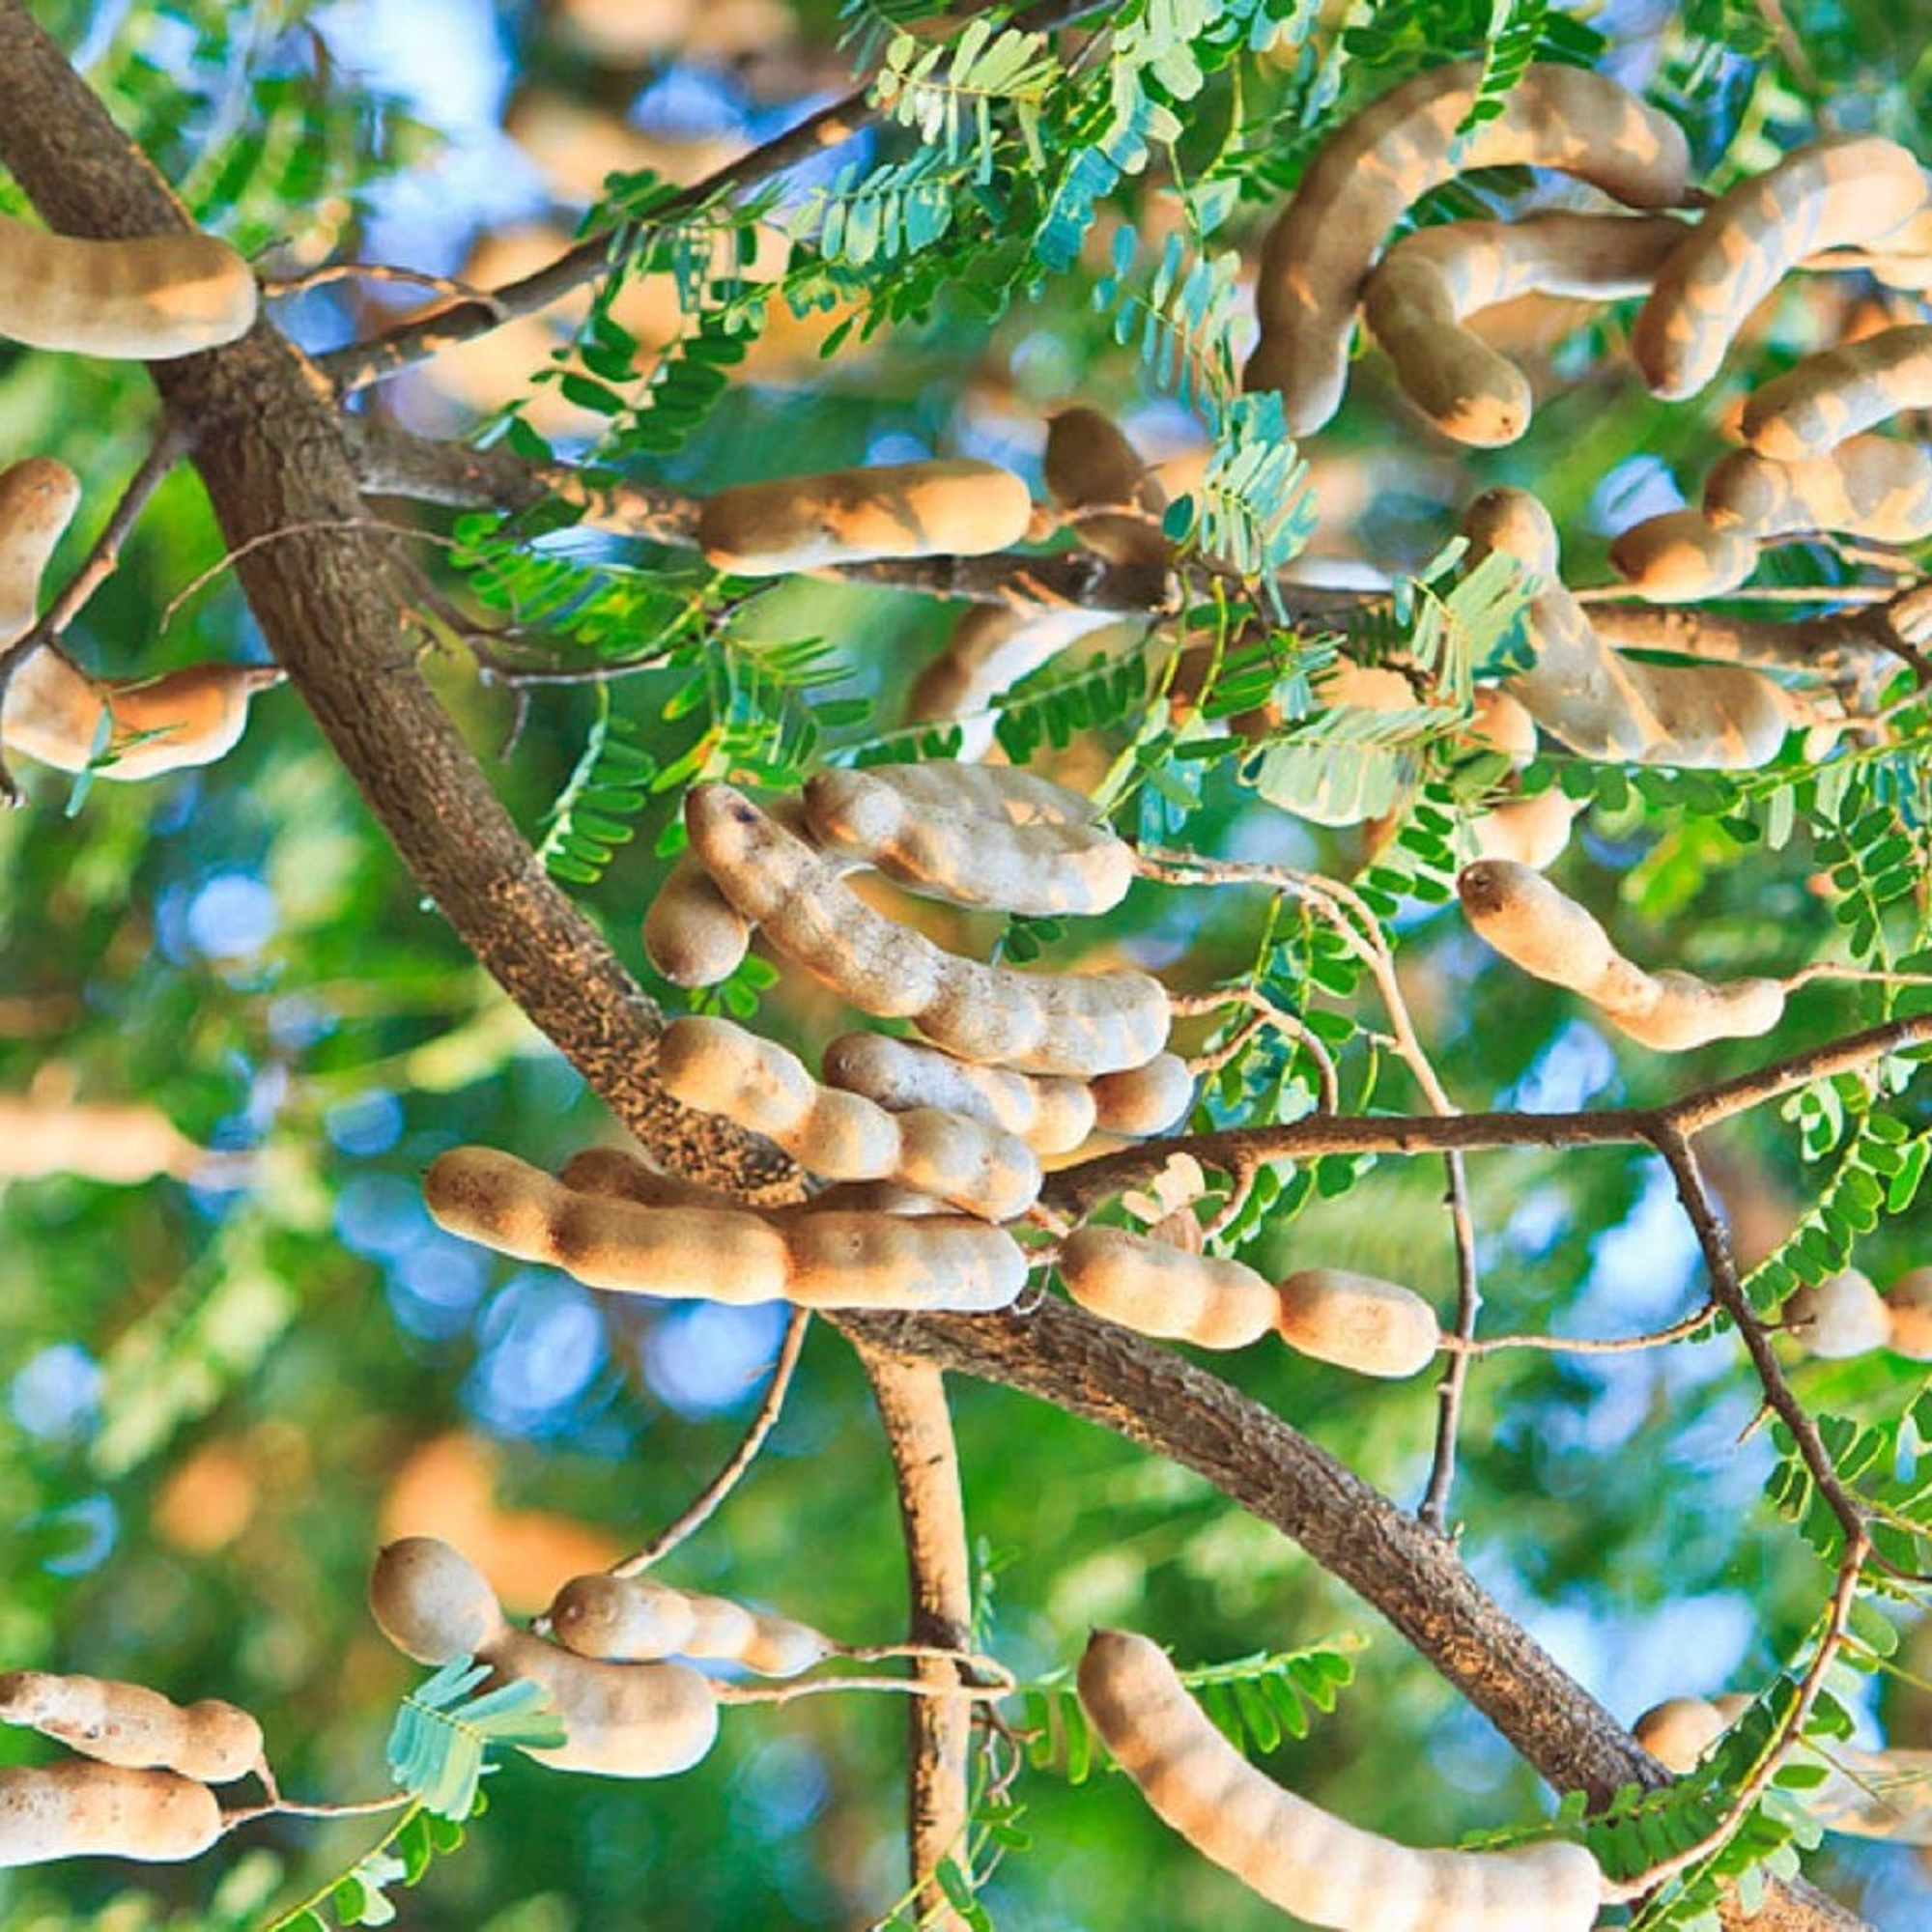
(1494, 860)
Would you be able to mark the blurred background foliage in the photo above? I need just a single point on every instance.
(216, 1400)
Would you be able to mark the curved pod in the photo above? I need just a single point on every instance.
(1163, 1291)
(1835, 394)
(78, 1810)
(1866, 487)
(631, 1618)
(128, 1724)
(1050, 1113)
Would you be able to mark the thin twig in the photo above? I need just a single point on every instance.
(1589, 1345)
(273, 286)
(951, 1694)
(291, 1807)
(721, 1486)
(1434, 1508)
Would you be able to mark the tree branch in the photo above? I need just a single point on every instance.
(911, 1398)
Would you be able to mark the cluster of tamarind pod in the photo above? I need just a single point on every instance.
(140, 1787)
(1845, 1315)
(1867, 1794)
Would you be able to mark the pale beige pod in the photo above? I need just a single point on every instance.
(956, 851)
(81, 1810)
(1679, 1731)
(1908, 1312)
(100, 1140)
(1827, 195)
(432, 1603)
(1835, 394)
(719, 1067)
(1688, 1012)
(1682, 557)
(1158, 1289)
(1837, 1317)
(609, 1169)
(631, 1618)
(131, 1725)
(958, 507)
(1416, 300)
(37, 500)
(1050, 1113)
(1356, 1322)
(145, 300)
(895, 1261)
(991, 650)
(1866, 487)
(1040, 1023)
(1317, 253)
(1532, 831)
(1143, 1101)
(1294, 1853)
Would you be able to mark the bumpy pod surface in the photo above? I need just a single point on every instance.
(1019, 861)
(1356, 1322)
(960, 508)
(1319, 250)
(1866, 487)
(431, 1602)
(1827, 195)
(1158, 1289)
(1049, 1112)
(631, 1618)
(1722, 717)
(1837, 1317)
(1143, 1101)
(1416, 300)
(1294, 1853)
(1550, 936)
(55, 712)
(1090, 463)
(1531, 831)
(823, 1260)
(128, 1724)
(1835, 394)
(147, 299)
(989, 649)
(1041, 1023)
(721, 1068)
(1682, 558)
(80, 1810)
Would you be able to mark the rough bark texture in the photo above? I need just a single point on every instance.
(273, 458)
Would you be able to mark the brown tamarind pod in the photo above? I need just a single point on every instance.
(613, 1171)
(1835, 394)
(1837, 1317)
(1143, 1101)
(79, 1809)
(1296, 1855)
(991, 650)
(37, 500)
(1041, 1023)
(1019, 860)
(1908, 1314)
(1679, 1731)
(432, 1603)
(1356, 1322)
(1868, 486)
(1531, 831)
(1089, 464)
(1316, 255)
(1157, 1289)
(1682, 557)
(130, 1726)
(626, 1619)
(722, 1068)
(957, 507)
(147, 299)
(1050, 1113)
(1416, 300)
(1833, 192)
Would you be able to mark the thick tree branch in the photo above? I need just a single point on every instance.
(911, 1396)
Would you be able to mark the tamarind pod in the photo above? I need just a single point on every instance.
(986, 794)
(1163, 1291)
(145, 300)
(959, 507)
(1143, 1101)
(1356, 1322)
(722, 1068)
(1040, 1023)
(693, 934)
(1722, 717)
(730, 1255)
(1088, 463)
(609, 1169)
(431, 1602)
(81, 1809)
(1827, 195)
(130, 1726)
(1415, 301)
(619, 1720)
(1679, 1731)
(1547, 934)
(1500, 722)
(867, 1197)
(1682, 557)
(1837, 1317)
(1294, 1853)
(97, 1140)
(1868, 486)
(1533, 831)
(1908, 1314)
(1317, 254)
(1835, 394)
(37, 500)
(631, 1618)
(991, 650)
(1050, 1113)
(1686, 1012)
(1038, 865)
